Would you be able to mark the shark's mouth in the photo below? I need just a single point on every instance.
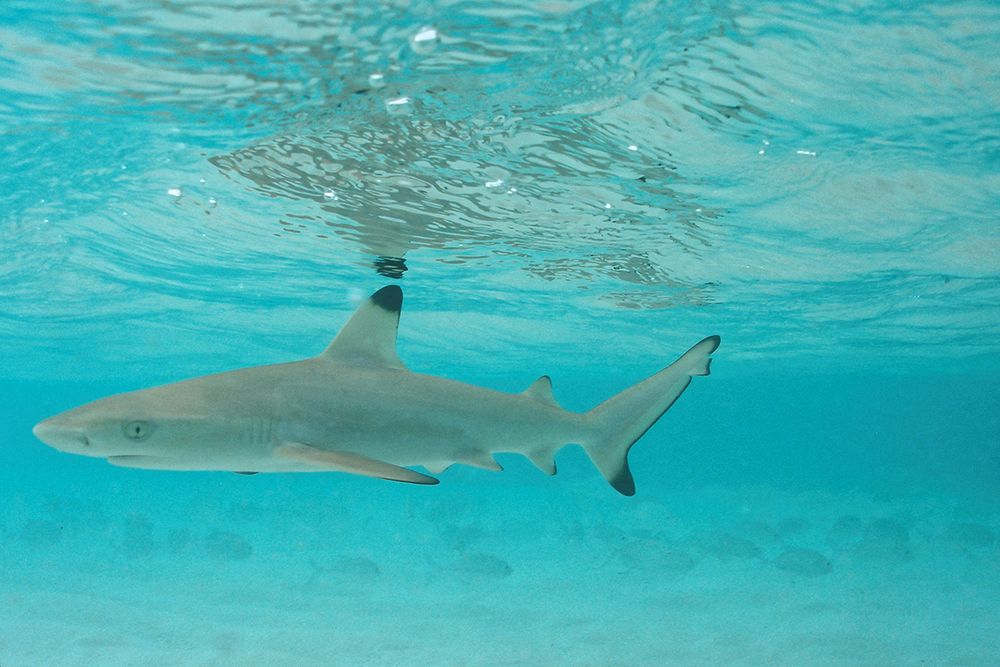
(147, 462)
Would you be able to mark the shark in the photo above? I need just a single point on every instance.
(356, 408)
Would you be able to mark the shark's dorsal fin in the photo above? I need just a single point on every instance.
(541, 390)
(369, 337)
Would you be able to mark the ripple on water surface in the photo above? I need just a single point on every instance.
(805, 162)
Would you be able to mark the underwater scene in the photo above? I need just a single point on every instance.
(611, 333)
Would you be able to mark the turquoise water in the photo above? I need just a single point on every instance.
(571, 188)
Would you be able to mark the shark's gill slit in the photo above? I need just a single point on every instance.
(255, 430)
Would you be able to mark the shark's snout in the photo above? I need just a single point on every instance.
(60, 436)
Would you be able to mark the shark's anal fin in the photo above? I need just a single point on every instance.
(350, 462)
(369, 337)
(544, 459)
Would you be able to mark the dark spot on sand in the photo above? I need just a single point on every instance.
(223, 544)
(807, 562)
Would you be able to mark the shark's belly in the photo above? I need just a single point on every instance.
(409, 419)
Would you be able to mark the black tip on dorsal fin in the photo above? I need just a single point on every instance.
(389, 298)
(369, 337)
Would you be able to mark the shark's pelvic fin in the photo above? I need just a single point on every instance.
(349, 462)
(541, 390)
(369, 337)
(476, 459)
(482, 460)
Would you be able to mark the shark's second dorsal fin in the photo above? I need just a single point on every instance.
(541, 390)
(369, 337)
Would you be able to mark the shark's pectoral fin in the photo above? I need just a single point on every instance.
(349, 462)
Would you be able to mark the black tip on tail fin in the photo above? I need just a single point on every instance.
(623, 482)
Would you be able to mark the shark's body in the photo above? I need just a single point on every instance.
(356, 408)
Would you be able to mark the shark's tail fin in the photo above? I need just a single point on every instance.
(622, 419)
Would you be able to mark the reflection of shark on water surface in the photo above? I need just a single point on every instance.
(355, 408)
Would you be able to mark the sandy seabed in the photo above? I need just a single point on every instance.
(103, 566)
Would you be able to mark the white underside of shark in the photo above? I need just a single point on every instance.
(357, 409)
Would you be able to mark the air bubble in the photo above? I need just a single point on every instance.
(330, 194)
(399, 106)
(174, 192)
(494, 184)
(425, 41)
(376, 80)
(633, 147)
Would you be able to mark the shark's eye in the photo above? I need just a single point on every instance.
(136, 430)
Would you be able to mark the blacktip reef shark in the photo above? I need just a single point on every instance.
(356, 408)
